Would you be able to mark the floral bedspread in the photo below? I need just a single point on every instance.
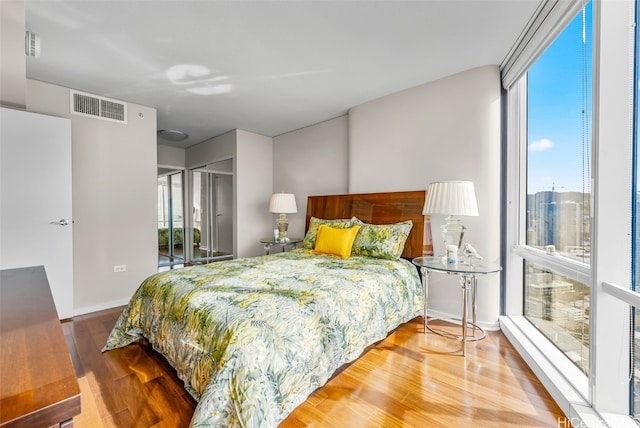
(253, 338)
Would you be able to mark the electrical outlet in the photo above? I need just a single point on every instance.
(120, 268)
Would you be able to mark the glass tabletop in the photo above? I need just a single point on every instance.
(274, 242)
(440, 264)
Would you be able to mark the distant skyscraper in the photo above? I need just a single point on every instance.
(557, 218)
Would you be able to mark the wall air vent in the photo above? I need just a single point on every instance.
(98, 107)
(32, 44)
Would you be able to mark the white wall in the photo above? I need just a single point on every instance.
(13, 67)
(212, 150)
(171, 156)
(253, 178)
(443, 130)
(310, 161)
(252, 183)
(114, 198)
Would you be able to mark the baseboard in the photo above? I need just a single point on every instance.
(455, 319)
(100, 307)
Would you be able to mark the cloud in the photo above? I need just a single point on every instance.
(540, 145)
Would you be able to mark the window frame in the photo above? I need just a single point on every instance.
(566, 372)
(603, 397)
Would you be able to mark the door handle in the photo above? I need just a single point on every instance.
(61, 222)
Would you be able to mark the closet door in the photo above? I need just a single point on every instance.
(224, 213)
(212, 214)
(171, 243)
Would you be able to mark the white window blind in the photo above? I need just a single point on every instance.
(551, 17)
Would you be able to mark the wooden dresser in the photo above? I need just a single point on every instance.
(38, 384)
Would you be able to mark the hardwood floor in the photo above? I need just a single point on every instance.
(407, 380)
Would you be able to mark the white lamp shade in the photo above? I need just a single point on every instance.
(283, 203)
(451, 198)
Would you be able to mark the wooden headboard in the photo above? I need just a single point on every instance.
(379, 208)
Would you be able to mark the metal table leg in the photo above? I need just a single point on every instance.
(464, 281)
(474, 299)
(425, 289)
(468, 284)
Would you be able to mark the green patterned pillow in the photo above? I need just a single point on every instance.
(382, 241)
(312, 233)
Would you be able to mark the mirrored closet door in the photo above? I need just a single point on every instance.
(171, 248)
(212, 212)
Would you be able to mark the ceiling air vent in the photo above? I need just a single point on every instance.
(98, 107)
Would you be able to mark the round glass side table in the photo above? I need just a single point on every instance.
(468, 273)
(270, 242)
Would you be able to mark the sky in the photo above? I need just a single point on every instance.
(555, 123)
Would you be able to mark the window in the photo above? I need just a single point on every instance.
(570, 196)
(559, 307)
(635, 386)
(558, 188)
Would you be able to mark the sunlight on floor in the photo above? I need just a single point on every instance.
(90, 416)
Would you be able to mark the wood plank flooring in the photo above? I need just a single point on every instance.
(407, 380)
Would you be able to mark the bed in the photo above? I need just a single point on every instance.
(253, 338)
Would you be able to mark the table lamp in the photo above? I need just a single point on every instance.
(451, 198)
(283, 204)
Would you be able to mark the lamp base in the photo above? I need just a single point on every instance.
(452, 232)
(282, 228)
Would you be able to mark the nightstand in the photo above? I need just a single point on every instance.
(270, 242)
(468, 274)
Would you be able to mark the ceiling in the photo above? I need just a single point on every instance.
(267, 67)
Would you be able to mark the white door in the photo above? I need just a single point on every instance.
(36, 226)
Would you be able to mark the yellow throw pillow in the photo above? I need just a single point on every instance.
(337, 242)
